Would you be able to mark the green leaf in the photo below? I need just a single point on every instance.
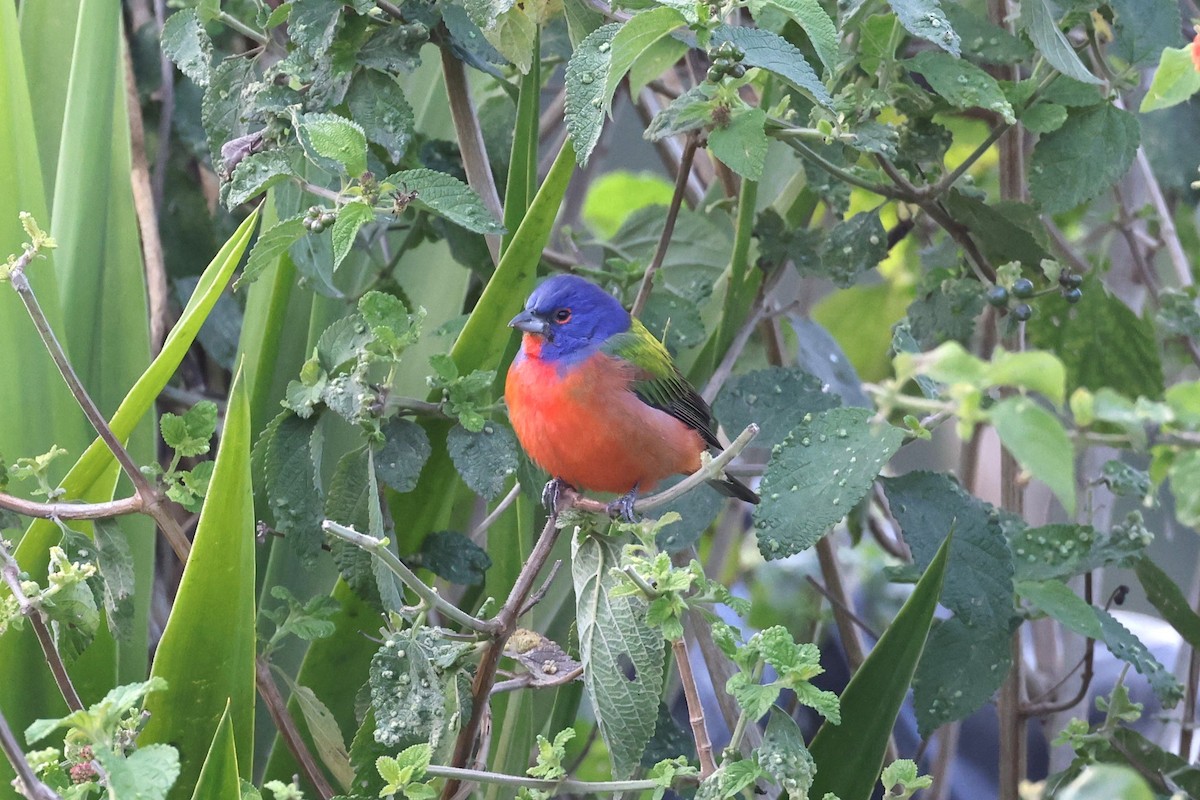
(454, 557)
(1105, 781)
(586, 78)
(389, 321)
(1044, 32)
(691, 111)
(117, 569)
(654, 61)
(776, 398)
(185, 42)
(405, 450)
(1168, 598)
(925, 18)
(961, 669)
(1175, 80)
(377, 103)
(350, 218)
(447, 197)
(634, 38)
(622, 655)
(1006, 231)
(190, 434)
(1143, 29)
(411, 680)
(1089, 153)
(961, 83)
(486, 459)
(783, 756)
(809, 15)
(1060, 551)
(207, 649)
(849, 756)
(946, 314)
(269, 247)
(334, 143)
(294, 493)
(1059, 601)
(852, 247)
(323, 728)
(742, 144)
(219, 775)
(1044, 117)
(258, 172)
(1185, 485)
(775, 54)
(979, 578)
(1040, 444)
(983, 40)
(146, 774)
(1102, 342)
(1126, 646)
(820, 472)
(312, 24)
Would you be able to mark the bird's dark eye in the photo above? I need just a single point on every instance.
(562, 315)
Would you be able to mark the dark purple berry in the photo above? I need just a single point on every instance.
(1072, 295)
(1022, 312)
(1022, 288)
(998, 296)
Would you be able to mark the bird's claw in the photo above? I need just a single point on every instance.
(623, 506)
(552, 492)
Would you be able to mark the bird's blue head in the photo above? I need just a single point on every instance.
(571, 317)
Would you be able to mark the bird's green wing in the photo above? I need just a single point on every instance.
(659, 383)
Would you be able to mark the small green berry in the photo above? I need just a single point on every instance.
(1022, 312)
(1022, 288)
(737, 71)
(997, 296)
(1073, 295)
(715, 74)
(328, 218)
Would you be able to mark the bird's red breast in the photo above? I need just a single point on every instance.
(582, 423)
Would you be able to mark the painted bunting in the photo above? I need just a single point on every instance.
(597, 402)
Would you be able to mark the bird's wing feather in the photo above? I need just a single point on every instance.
(658, 382)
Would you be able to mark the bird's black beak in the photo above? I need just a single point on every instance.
(530, 323)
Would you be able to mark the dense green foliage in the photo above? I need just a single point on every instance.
(933, 273)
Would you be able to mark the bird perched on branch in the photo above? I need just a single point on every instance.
(597, 402)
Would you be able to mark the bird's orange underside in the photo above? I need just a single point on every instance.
(586, 427)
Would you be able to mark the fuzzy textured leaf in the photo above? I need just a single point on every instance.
(961, 83)
(634, 38)
(925, 18)
(447, 196)
(270, 246)
(1123, 644)
(776, 398)
(742, 144)
(485, 460)
(622, 655)
(185, 42)
(405, 450)
(820, 471)
(587, 76)
(1088, 154)
(377, 103)
(773, 53)
(960, 671)
(809, 15)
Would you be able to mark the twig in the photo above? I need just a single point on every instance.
(706, 472)
(838, 605)
(390, 9)
(277, 708)
(232, 22)
(166, 113)
(113, 508)
(846, 176)
(943, 762)
(537, 596)
(31, 787)
(526, 680)
(151, 497)
(1166, 224)
(10, 572)
(691, 694)
(504, 623)
(379, 549)
(470, 142)
(664, 240)
(1085, 680)
(728, 361)
(144, 206)
(476, 534)
(566, 785)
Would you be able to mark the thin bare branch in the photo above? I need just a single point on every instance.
(704, 750)
(30, 787)
(277, 708)
(64, 511)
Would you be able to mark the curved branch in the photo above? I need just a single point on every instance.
(30, 508)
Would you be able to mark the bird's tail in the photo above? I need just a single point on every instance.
(732, 487)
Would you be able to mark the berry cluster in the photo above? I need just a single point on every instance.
(1023, 289)
(726, 60)
(317, 219)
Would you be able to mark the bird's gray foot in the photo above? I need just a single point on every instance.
(552, 492)
(623, 506)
